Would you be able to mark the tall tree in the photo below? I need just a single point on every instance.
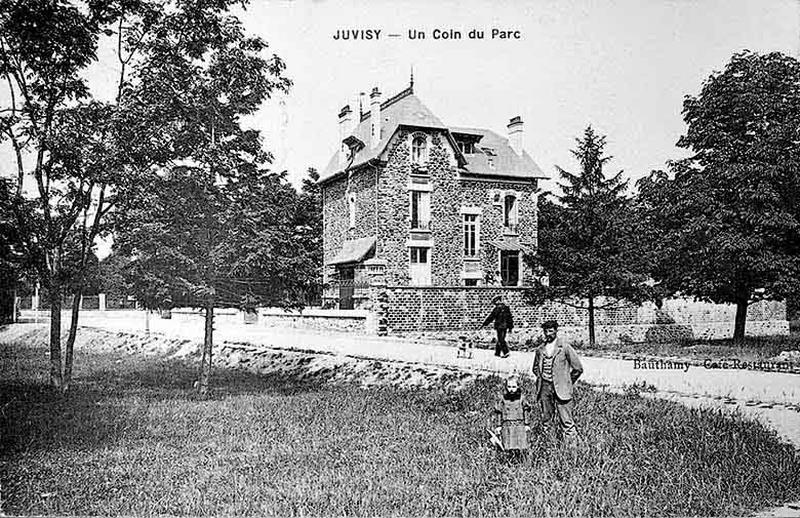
(585, 241)
(727, 221)
(49, 122)
(198, 76)
(309, 239)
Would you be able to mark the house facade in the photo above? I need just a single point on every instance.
(435, 205)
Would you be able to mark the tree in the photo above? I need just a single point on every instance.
(726, 221)
(51, 126)
(191, 235)
(112, 277)
(586, 244)
(308, 272)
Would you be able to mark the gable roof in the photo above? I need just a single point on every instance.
(405, 109)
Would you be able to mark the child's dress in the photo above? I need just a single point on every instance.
(512, 410)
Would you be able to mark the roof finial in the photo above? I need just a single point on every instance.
(411, 83)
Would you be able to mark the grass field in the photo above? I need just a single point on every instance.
(133, 440)
(752, 349)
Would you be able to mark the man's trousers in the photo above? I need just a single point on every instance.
(552, 406)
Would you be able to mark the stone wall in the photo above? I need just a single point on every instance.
(480, 193)
(449, 193)
(325, 320)
(336, 212)
(455, 311)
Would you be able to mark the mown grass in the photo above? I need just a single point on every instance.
(133, 440)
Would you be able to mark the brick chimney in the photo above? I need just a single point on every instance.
(375, 117)
(345, 129)
(515, 134)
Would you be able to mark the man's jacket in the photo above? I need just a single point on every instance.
(501, 315)
(567, 368)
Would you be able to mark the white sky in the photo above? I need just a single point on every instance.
(622, 65)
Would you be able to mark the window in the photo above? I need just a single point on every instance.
(351, 201)
(470, 235)
(466, 147)
(420, 210)
(419, 150)
(510, 212)
(419, 255)
(509, 267)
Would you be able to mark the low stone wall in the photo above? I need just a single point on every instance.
(317, 319)
(449, 312)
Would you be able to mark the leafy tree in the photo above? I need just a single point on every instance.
(586, 243)
(191, 234)
(112, 276)
(308, 273)
(53, 130)
(726, 221)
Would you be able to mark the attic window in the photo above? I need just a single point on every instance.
(419, 149)
(466, 147)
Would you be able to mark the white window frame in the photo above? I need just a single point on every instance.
(476, 229)
(422, 159)
(424, 209)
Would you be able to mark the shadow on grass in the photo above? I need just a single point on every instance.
(35, 416)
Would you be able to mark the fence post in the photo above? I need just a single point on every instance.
(378, 306)
(101, 301)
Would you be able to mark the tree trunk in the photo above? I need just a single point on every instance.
(147, 321)
(55, 333)
(591, 322)
(741, 319)
(208, 344)
(73, 331)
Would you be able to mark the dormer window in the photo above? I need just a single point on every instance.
(467, 147)
(419, 150)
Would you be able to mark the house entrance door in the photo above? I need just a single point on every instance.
(420, 266)
(346, 281)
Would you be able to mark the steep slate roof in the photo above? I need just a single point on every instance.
(501, 160)
(405, 109)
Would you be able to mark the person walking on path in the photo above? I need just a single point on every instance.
(556, 367)
(503, 323)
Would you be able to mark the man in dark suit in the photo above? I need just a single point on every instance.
(503, 323)
(556, 367)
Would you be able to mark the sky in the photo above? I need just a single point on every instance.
(623, 66)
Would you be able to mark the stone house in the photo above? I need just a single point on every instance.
(427, 203)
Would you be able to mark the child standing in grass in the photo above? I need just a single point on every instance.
(511, 418)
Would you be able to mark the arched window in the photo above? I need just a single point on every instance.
(419, 149)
